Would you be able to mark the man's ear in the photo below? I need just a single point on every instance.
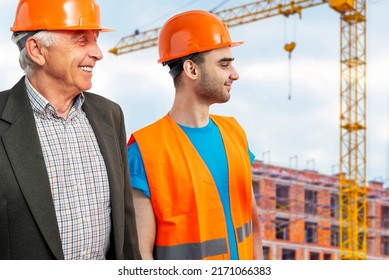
(36, 51)
(191, 69)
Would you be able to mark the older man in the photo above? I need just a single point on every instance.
(63, 164)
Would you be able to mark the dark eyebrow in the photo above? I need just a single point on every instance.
(226, 59)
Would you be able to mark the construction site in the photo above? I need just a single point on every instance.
(299, 211)
(307, 215)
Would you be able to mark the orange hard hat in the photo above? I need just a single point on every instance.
(34, 15)
(192, 32)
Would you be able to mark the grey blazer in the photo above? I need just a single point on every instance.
(28, 224)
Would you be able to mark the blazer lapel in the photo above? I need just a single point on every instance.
(107, 137)
(23, 147)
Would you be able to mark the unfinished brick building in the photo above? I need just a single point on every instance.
(300, 214)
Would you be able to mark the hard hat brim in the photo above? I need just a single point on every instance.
(231, 45)
(235, 44)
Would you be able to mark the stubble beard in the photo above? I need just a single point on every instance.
(211, 91)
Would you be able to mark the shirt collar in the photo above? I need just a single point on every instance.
(42, 106)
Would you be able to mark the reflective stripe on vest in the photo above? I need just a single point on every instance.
(192, 251)
(244, 231)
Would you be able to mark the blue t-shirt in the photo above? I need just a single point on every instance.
(209, 144)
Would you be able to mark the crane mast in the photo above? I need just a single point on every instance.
(352, 173)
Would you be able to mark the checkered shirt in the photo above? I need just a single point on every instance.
(78, 178)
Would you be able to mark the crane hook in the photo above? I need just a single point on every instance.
(289, 48)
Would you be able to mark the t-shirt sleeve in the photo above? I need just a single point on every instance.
(137, 170)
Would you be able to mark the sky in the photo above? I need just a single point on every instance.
(299, 132)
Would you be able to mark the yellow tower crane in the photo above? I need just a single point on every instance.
(352, 173)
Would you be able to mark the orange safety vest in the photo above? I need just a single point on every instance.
(189, 214)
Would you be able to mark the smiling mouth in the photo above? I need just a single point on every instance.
(86, 69)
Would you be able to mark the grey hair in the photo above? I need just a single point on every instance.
(47, 38)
